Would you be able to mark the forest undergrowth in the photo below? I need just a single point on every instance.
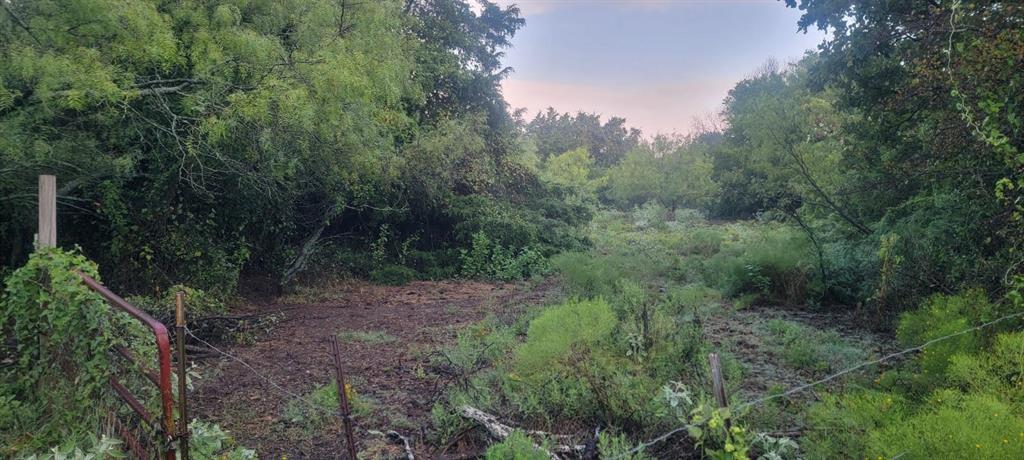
(624, 353)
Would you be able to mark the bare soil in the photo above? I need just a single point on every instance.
(395, 374)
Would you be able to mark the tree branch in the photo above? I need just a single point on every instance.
(20, 22)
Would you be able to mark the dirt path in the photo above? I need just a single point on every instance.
(389, 365)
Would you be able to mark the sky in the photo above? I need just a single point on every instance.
(657, 63)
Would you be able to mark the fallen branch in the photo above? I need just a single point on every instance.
(501, 431)
(396, 438)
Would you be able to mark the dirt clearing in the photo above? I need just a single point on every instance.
(387, 335)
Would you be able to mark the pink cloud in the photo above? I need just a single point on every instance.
(656, 108)
(531, 7)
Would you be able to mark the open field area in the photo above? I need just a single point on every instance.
(411, 350)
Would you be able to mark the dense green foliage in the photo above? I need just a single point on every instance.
(194, 140)
(57, 324)
(54, 394)
(886, 147)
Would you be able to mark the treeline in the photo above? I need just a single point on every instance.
(199, 140)
(196, 141)
(895, 148)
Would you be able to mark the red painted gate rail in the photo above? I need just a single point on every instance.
(161, 378)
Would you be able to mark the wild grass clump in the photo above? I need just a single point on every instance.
(319, 408)
(370, 337)
(560, 331)
(948, 425)
(811, 349)
(586, 275)
(775, 262)
(393, 275)
(517, 446)
(198, 303)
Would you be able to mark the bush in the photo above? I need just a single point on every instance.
(581, 362)
(518, 446)
(939, 316)
(576, 324)
(962, 398)
(652, 215)
(953, 426)
(393, 275)
(841, 424)
(997, 371)
(208, 440)
(48, 313)
(320, 407)
(198, 303)
(773, 261)
(947, 425)
(487, 259)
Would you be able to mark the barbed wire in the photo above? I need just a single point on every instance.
(263, 377)
(643, 445)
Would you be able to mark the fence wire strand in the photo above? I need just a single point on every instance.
(669, 434)
(829, 378)
(268, 380)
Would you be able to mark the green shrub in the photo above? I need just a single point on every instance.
(208, 440)
(652, 215)
(487, 259)
(951, 425)
(552, 335)
(573, 365)
(841, 424)
(434, 265)
(692, 298)
(518, 446)
(618, 446)
(57, 323)
(74, 449)
(320, 407)
(198, 303)
(941, 315)
(704, 242)
(997, 371)
(773, 261)
(585, 275)
(393, 275)
(977, 415)
(690, 218)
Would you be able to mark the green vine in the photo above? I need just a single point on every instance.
(53, 387)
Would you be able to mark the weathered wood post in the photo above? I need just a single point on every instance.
(47, 236)
(718, 387)
(179, 316)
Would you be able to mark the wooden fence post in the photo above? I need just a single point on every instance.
(718, 386)
(47, 236)
(179, 322)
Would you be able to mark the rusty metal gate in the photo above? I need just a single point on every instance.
(145, 436)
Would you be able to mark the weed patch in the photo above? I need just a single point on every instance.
(369, 337)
